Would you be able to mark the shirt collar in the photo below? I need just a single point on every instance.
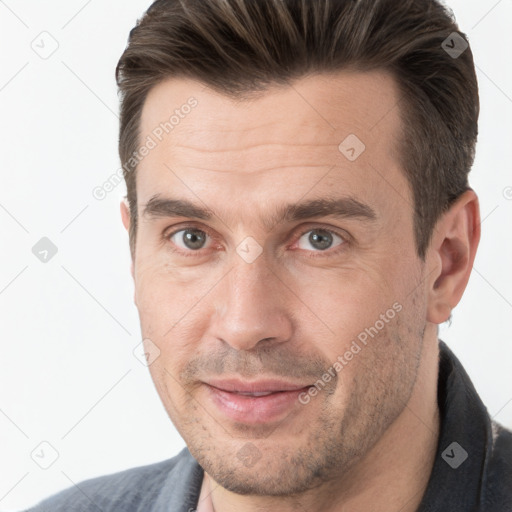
(465, 441)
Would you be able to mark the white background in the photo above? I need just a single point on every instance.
(68, 374)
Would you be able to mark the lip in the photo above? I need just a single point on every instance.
(259, 386)
(250, 409)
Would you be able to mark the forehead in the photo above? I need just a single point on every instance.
(322, 132)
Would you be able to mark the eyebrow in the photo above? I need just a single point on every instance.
(343, 207)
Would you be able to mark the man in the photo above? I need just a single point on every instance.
(300, 223)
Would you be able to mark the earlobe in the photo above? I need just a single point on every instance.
(452, 253)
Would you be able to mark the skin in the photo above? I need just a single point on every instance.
(367, 441)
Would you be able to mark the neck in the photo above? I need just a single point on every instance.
(392, 476)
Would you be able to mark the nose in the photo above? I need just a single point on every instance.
(251, 307)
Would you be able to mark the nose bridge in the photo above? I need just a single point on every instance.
(250, 306)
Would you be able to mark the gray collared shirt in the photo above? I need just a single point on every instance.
(472, 470)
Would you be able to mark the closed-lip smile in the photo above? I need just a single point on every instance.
(254, 402)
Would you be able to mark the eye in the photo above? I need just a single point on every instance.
(189, 239)
(319, 240)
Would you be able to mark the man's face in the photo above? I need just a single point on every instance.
(247, 295)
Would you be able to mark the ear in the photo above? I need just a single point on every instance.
(125, 216)
(451, 255)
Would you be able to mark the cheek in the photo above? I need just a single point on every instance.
(172, 395)
(166, 295)
(369, 310)
(346, 300)
(174, 315)
(378, 362)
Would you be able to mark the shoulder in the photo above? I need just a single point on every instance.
(135, 489)
(498, 488)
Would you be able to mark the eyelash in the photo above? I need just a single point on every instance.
(311, 254)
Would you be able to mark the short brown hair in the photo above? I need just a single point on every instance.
(241, 46)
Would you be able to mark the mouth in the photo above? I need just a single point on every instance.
(256, 402)
(263, 393)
